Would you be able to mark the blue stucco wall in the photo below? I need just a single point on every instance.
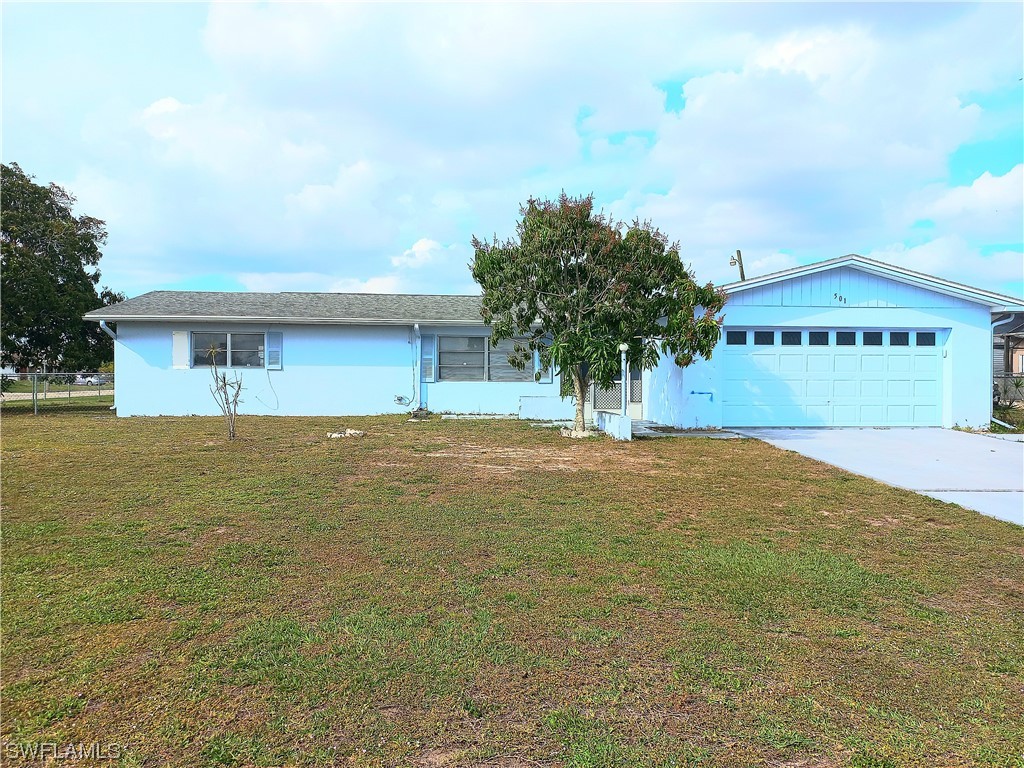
(547, 408)
(330, 370)
(489, 396)
(673, 395)
(327, 370)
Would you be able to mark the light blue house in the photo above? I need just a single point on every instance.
(846, 342)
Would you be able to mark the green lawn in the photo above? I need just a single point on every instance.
(25, 385)
(1014, 416)
(486, 593)
(53, 405)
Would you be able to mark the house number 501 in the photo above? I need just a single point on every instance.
(839, 297)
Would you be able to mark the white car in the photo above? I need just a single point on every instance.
(90, 379)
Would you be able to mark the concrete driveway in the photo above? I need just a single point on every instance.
(975, 471)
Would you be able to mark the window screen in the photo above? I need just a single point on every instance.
(245, 350)
(846, 338)
(817, 338)
(235, 350)
(461, 358)
(925, 338)
(209, 348)
(764, 338)
(737, 338)
(899, 338)
(792, 338)
(500, 369)
(872, 338)
(427, 357)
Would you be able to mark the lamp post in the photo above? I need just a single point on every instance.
(623, 348)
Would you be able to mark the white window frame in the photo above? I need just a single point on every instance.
(546, 376)
(228, 334)
(439, 352)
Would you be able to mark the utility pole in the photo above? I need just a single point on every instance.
(737, 260)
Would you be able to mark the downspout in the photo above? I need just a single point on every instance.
(106, 329)
(416, 357)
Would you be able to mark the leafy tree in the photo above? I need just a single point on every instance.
(576, 284)
(49, 275)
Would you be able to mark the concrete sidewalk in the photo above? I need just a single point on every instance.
(975, 471)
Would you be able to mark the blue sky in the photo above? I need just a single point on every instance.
(359, 147)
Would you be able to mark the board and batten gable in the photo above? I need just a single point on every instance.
(847, 287)
(713, 393)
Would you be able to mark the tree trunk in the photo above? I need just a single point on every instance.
(579, 387)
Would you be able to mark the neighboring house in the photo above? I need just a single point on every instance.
(845, 342)
(1008, 345)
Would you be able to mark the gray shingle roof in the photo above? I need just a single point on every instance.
(374, 308)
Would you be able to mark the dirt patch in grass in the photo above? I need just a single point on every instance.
(598, 456)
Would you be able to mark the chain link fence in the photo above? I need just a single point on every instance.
(1008, 389)
(38, 393)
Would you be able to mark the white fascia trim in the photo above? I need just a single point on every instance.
(281, 320)
(997, 301)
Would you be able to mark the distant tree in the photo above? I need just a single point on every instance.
(48, 275)
(575, 284)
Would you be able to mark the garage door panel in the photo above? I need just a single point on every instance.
(899, 363)
(819, 363)
(898, 414)
(844, 415)
(872, 414)
(925, 364)
(844, 388)
(872, 363)
(819, 414)
(764, 362)
(872, 388)
(899, 388)
(787, 413)
(740, 390)
(791, 363)
(845, 364)
(793, 388)
(832, 385)
(818, 388)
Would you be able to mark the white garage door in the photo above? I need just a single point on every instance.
(838, 377)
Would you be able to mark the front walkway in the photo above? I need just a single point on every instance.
(975, 471)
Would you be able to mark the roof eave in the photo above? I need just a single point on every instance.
(111, 318)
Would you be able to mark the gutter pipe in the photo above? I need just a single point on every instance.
(417, 356)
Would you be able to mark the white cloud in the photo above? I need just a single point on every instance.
(423, 251)
(954, 258)
(273, 282)
(324, 139)
(992, 206)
